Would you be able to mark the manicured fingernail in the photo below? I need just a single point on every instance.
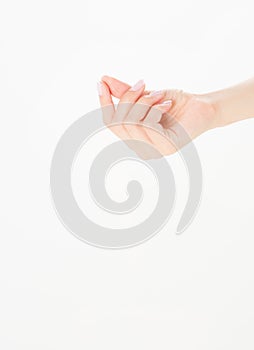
(99, 88)
(154, 93)
(168, 102)
(137, 86)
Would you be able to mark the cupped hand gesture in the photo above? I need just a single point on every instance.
(165, 119)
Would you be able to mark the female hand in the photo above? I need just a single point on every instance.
(166, 119)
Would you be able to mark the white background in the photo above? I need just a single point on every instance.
(193, 291)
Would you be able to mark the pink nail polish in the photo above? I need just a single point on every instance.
(137, 86)
(168, 102)
(154, 93)
(99, 88)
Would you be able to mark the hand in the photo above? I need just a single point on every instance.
(166, 119)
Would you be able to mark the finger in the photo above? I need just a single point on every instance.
(155, 113)
(155, 131)
(130, 97)
(142, 106)
(106, 102)
(108, 111)
(117, 87)
(127, 100)
(138, 112)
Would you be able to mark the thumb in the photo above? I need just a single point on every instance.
(117, 87)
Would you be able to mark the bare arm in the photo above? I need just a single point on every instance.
(234, 103)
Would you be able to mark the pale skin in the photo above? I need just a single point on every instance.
(164, 118)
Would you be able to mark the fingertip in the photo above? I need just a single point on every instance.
(105, 76)
(110, 84)
(102, 88)
(99, 88)
(104, 94)
(116, 87)
(107, 79)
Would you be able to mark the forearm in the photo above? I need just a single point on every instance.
(233, 104)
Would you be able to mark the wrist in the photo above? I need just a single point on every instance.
(220, 115)
(232, 104)
(215, 116)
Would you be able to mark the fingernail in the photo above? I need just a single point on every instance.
(168, 102)
(154, 93)
(138, 85)
(99, 88)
